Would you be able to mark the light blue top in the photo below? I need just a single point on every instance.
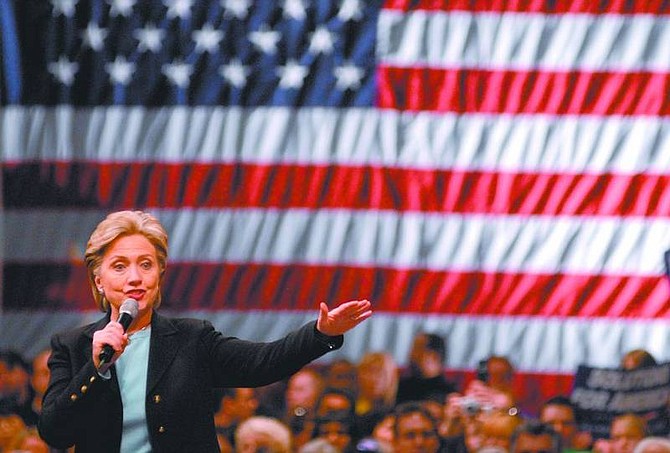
(131, 371)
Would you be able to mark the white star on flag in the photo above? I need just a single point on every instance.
(207, 39)
(120, 70)
(64, 7)
(236, 8)
(94, 37)
(122, 7)
(295, 9)
(350, 10)
(178, 8)
(64, 70)
(150, 38)
(348, 77)
(292, 75)
(178, 73)
(235, 73)
(321, 41)
(266, 40)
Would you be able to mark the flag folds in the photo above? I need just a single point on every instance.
(496, 173)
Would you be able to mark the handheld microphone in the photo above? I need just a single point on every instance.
(127, 312)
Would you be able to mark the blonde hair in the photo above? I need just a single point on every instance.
(114, 226)
(269, 431)
(383, 364)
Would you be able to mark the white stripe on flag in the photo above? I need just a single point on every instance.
(534, 344)
(562, 42)
(322, 136)
(372, 239)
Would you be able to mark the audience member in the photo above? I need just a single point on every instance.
(335, 400)
(424, 378)
(653, 445)
(342, 374)
(637, 358)
(318, 445)
(235, 406)
(259, 433)
(415, 429)
(559, 413)
(384, 431)
(377, 389)
(626, 431)
(535, 437)
(16, 396)
(495, 429)
(493, 387)
(39, 379)
(302, 393)
(337, 428)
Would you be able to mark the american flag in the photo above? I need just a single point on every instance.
(492, 171)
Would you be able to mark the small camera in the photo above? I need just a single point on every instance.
(470, 406)
(483, 371)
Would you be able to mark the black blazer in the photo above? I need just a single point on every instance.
(187, 360)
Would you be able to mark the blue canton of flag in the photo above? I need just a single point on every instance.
(232, 52)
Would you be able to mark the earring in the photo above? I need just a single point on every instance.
(101, 291)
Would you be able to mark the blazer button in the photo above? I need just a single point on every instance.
(161, 429)
(157, 399)
(73, 397)
(84, 389)
(92, 379)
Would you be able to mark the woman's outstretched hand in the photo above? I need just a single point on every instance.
(343, 317)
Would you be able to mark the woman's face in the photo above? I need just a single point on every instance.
(130, 269)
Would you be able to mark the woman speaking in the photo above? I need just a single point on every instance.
(157, 393)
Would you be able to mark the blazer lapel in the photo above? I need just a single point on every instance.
(164, 347)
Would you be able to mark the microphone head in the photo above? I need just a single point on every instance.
(130, 307)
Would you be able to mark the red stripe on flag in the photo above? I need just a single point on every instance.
(301, 287)
(523, 92)
(535, 6)
(130, 185)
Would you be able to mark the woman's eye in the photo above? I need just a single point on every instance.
(146, 265)
(118, 267)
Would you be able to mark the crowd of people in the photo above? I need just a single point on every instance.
(369, 406)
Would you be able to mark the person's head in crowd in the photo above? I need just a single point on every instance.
(377, 381)
(415, 429)
(535, 437)
(262, 434)
(500, 373)
(234, 405)
(302, 394)
(303, 391)
(246, 403)
(341, 374)
(496, 428)
(427, 355)
(32, 443)
(626, 431)
(337, 428)
(12, 430)
(39, 379)
(384, 430)
(15, 390)
(493, 387)
(559, 413)
(335, 400)
(653, 444)
(637, 358)
(318, 445)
